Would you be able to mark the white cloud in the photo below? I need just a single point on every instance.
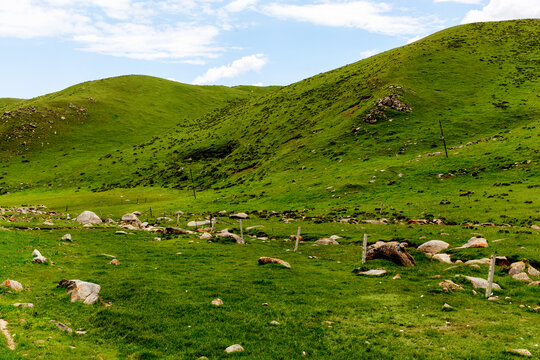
(367, 15)
(258, 84)
(471, 2)
(24, 19)
(183, 41)
(504, 10)
(126, 28)
(414, 39)
(236, 68)
(368, 53)
(239, 5)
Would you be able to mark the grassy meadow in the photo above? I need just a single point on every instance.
(161, 294)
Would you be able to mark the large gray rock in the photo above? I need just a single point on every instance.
(516, 268)
(199, 223)
(81, 290)
(15, 285)
(532, 271)
(433, 247)
(445, 258)
(522, 276)
(88, 217)
(131, 218)
(38, 258)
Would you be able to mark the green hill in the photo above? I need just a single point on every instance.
(340, 143)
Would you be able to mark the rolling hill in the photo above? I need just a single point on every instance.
(340, 143)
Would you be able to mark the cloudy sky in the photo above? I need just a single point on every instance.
(48, 45)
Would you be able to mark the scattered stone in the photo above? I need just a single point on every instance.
(264, 304)
(217, 302)
(38, 258)
(268, 260)
(447, 307)
(239, 216)
(522, 276)
(15, 285)
(396, 277)
(88, 217)
(493, 298)
(532, 271)
(81, 290)
(326, 241)
(3, 328)
(115, 262)
(523, 352)
(177, 231)
(475, 242)
(481, 283)
(476, 266)
(24, 305)
(274, 322)
(120, 232)
(67, 237)
(537, 309)
(433, 246)
(445, 258)
(376, 272)
(534, 283)
(449, 285)
(234, 348)
(516, 268)
(63, 327)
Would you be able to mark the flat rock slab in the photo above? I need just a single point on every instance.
(24, 305)
(268, 260)
(326, 241)
(5, 332)
(378, 272)
(522, 276)
(199, 223)
(481, 283)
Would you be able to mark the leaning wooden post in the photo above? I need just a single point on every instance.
(443, 139)
(364, 249)
(297, 239)
(492, 262)
(241, 231)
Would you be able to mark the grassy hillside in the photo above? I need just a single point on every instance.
(342, 142)
(58, 138)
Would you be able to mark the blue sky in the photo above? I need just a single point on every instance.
(48, 45)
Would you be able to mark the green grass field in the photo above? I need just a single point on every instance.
(161, 300)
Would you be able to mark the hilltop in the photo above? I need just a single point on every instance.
(340, 142)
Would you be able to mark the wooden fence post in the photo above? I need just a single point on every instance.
(492, 262)
(177, 219)
(297, 239)
(364, 249)
(241, 231)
